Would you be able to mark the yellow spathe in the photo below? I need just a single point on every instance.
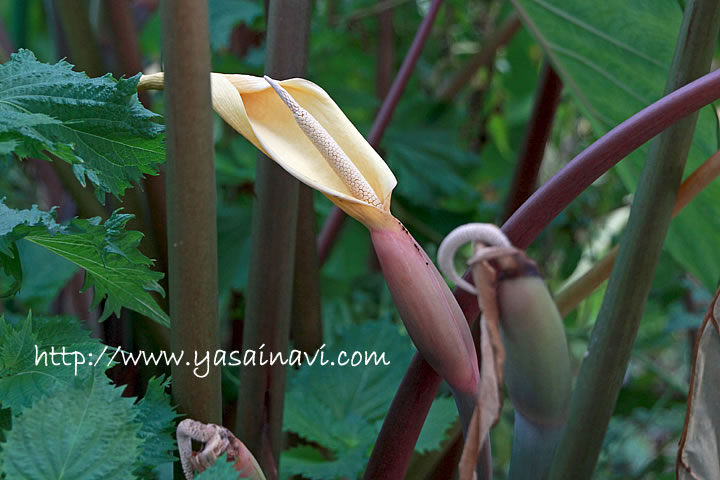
(251, 107)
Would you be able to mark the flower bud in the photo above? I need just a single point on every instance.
(428, 309)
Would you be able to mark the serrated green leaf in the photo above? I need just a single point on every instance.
(614, 56)
(233, 246)
(225, 15)
(22, 379)
(156, 417)
(8, 146)
(220, 470)
(85, 432)
(108, 254)
(443, 413)
(342, 408)
(95, 124)
(431, 166)
(44, 274)
(312, 463)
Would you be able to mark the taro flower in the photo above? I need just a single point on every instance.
(299, 126)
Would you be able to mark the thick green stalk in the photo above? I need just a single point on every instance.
(616, 328)
(192, 230)
(307, 328)
(272, 243)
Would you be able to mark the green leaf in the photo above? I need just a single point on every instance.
(157, 418)
(84, 432)
(95, 124)
(312, 463)
(25, 385)
(8, 146)
(430, 165)
(233, 246)
(225, 15)
(443, 413)
(44, 274)
(220, 470)
(342, 408)
(614, 56)
(107, 253)
(27, 374)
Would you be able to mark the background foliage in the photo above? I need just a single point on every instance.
(453, 161)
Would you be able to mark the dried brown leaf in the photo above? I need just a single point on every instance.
(699, 452)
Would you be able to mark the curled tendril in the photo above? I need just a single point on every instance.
(485, 233)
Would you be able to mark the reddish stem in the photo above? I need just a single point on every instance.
(412, 401)
(6, 47)
(538, 132)
(545, 204)
(331, 229)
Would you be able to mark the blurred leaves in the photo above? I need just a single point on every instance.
(614, 57)
(340, 409)
(226, 14)
(430, 166)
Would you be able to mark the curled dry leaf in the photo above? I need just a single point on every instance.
(489, 400)
(699, 452)
(216, 441)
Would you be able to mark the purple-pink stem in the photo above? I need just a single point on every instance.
(333, 225)
(6, 47)
(396, 442)
(533, 149)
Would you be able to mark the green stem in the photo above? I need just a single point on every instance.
(307, 328)
(612, 340)
(272, 243)
(192, 230)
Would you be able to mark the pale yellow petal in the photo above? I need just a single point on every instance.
(274, 124)
(228, 103)
(252, 107)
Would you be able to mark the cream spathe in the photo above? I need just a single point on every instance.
(251, 106)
